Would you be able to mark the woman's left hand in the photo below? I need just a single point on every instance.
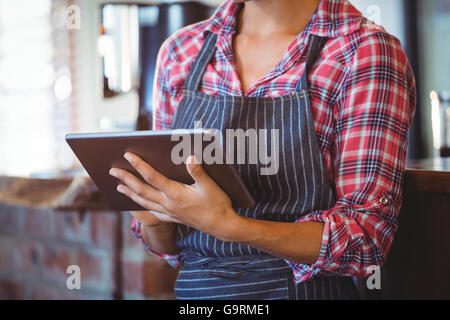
(203, 205)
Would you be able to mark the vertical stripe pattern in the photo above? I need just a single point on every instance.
(216, 269)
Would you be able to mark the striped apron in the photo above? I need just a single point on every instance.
(214, 269)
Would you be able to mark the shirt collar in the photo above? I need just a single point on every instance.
(333, 18)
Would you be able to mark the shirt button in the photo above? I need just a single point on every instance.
(384, 200)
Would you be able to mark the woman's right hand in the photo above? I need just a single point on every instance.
(152, 218)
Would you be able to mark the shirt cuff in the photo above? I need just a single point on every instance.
(172, 260)
(340, 234)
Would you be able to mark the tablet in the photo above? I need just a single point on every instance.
(99, 152)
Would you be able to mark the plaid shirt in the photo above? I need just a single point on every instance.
(363, 102)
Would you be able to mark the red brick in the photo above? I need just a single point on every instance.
(5, 254)
(40, 223)
(11, 290)
(93, 267)
(55, 262)
(73, 226)
(11, 218)
(27, 256)
(133, 277)
(69, 295)
(42, 293)
(104, 229)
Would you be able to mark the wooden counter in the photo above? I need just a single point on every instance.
(62, 192)
(429, 175)
(418, 266)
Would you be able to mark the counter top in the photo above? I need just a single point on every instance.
(55, 193)
(428, 175)
(437, 164)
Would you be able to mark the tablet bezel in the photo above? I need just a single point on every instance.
(112, 146)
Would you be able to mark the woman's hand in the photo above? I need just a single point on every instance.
(203, 205)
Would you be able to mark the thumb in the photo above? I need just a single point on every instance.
(196, 170)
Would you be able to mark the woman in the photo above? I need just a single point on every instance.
(341, 93)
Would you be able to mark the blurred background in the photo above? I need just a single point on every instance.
(87, 66)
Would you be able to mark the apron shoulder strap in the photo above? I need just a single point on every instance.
(201, 62)
(315, 46)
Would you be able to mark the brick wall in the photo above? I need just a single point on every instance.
(37, 246)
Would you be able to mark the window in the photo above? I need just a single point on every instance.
(34, 86)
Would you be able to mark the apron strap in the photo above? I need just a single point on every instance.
(201, 62)
(315, 46)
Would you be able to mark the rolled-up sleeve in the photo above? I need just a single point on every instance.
(172, 260)
(372, 116)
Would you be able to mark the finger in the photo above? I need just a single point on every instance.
(139, 187)
(150, 175)
(143, 202)
(197, 171)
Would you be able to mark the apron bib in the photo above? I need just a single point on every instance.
(213, 269)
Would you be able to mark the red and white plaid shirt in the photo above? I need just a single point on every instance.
(363, 102)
